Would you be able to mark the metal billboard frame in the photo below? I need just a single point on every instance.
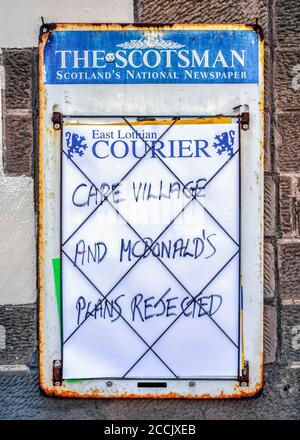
(49, 362)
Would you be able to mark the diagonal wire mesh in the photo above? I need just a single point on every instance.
(105, 198)
(149, 248)
(129, 225)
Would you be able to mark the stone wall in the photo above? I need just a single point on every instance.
(20, 394)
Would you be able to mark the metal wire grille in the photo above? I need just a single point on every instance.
(149, 248)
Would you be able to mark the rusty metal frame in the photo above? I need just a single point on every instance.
(45, 130)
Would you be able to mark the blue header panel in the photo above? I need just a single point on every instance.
(151, 57)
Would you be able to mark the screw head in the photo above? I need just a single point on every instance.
(245, 126)
(109, 383)
(192, 383)
(56, 126)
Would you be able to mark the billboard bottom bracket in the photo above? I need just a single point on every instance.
(57, 120)
(244, 378)
(57, 372)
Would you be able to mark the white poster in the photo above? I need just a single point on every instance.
(150, 249)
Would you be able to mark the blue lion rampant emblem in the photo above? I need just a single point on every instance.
(224, 142)
(75, 144)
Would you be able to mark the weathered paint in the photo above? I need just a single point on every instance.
(96, 388)
(17, 220)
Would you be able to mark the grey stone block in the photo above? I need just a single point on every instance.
(290, 206)
(18, 78)
(291, 333)
(20, 334)
(287, 21)
(18, 149)
(270, 206)
(287, 142)
(270, 334)
(287, 80)
(269, 270)
(289, 270)
(285, 199)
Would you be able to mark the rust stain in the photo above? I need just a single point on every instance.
(261, 163)
(241, 392)
(95, 394)
(149, 27)
(199, 121)
(262, 100)
(62, 391)
(42, 106)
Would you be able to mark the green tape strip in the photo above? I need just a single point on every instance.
(56, 270)
(74, 380)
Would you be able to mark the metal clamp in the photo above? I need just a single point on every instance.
(244, 378)
(57, 372)
(245, 120)
(57, 120)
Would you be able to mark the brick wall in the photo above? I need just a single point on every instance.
(20, 395)
(18, 323)
(286, 168)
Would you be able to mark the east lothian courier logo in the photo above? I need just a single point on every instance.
(154, 59)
